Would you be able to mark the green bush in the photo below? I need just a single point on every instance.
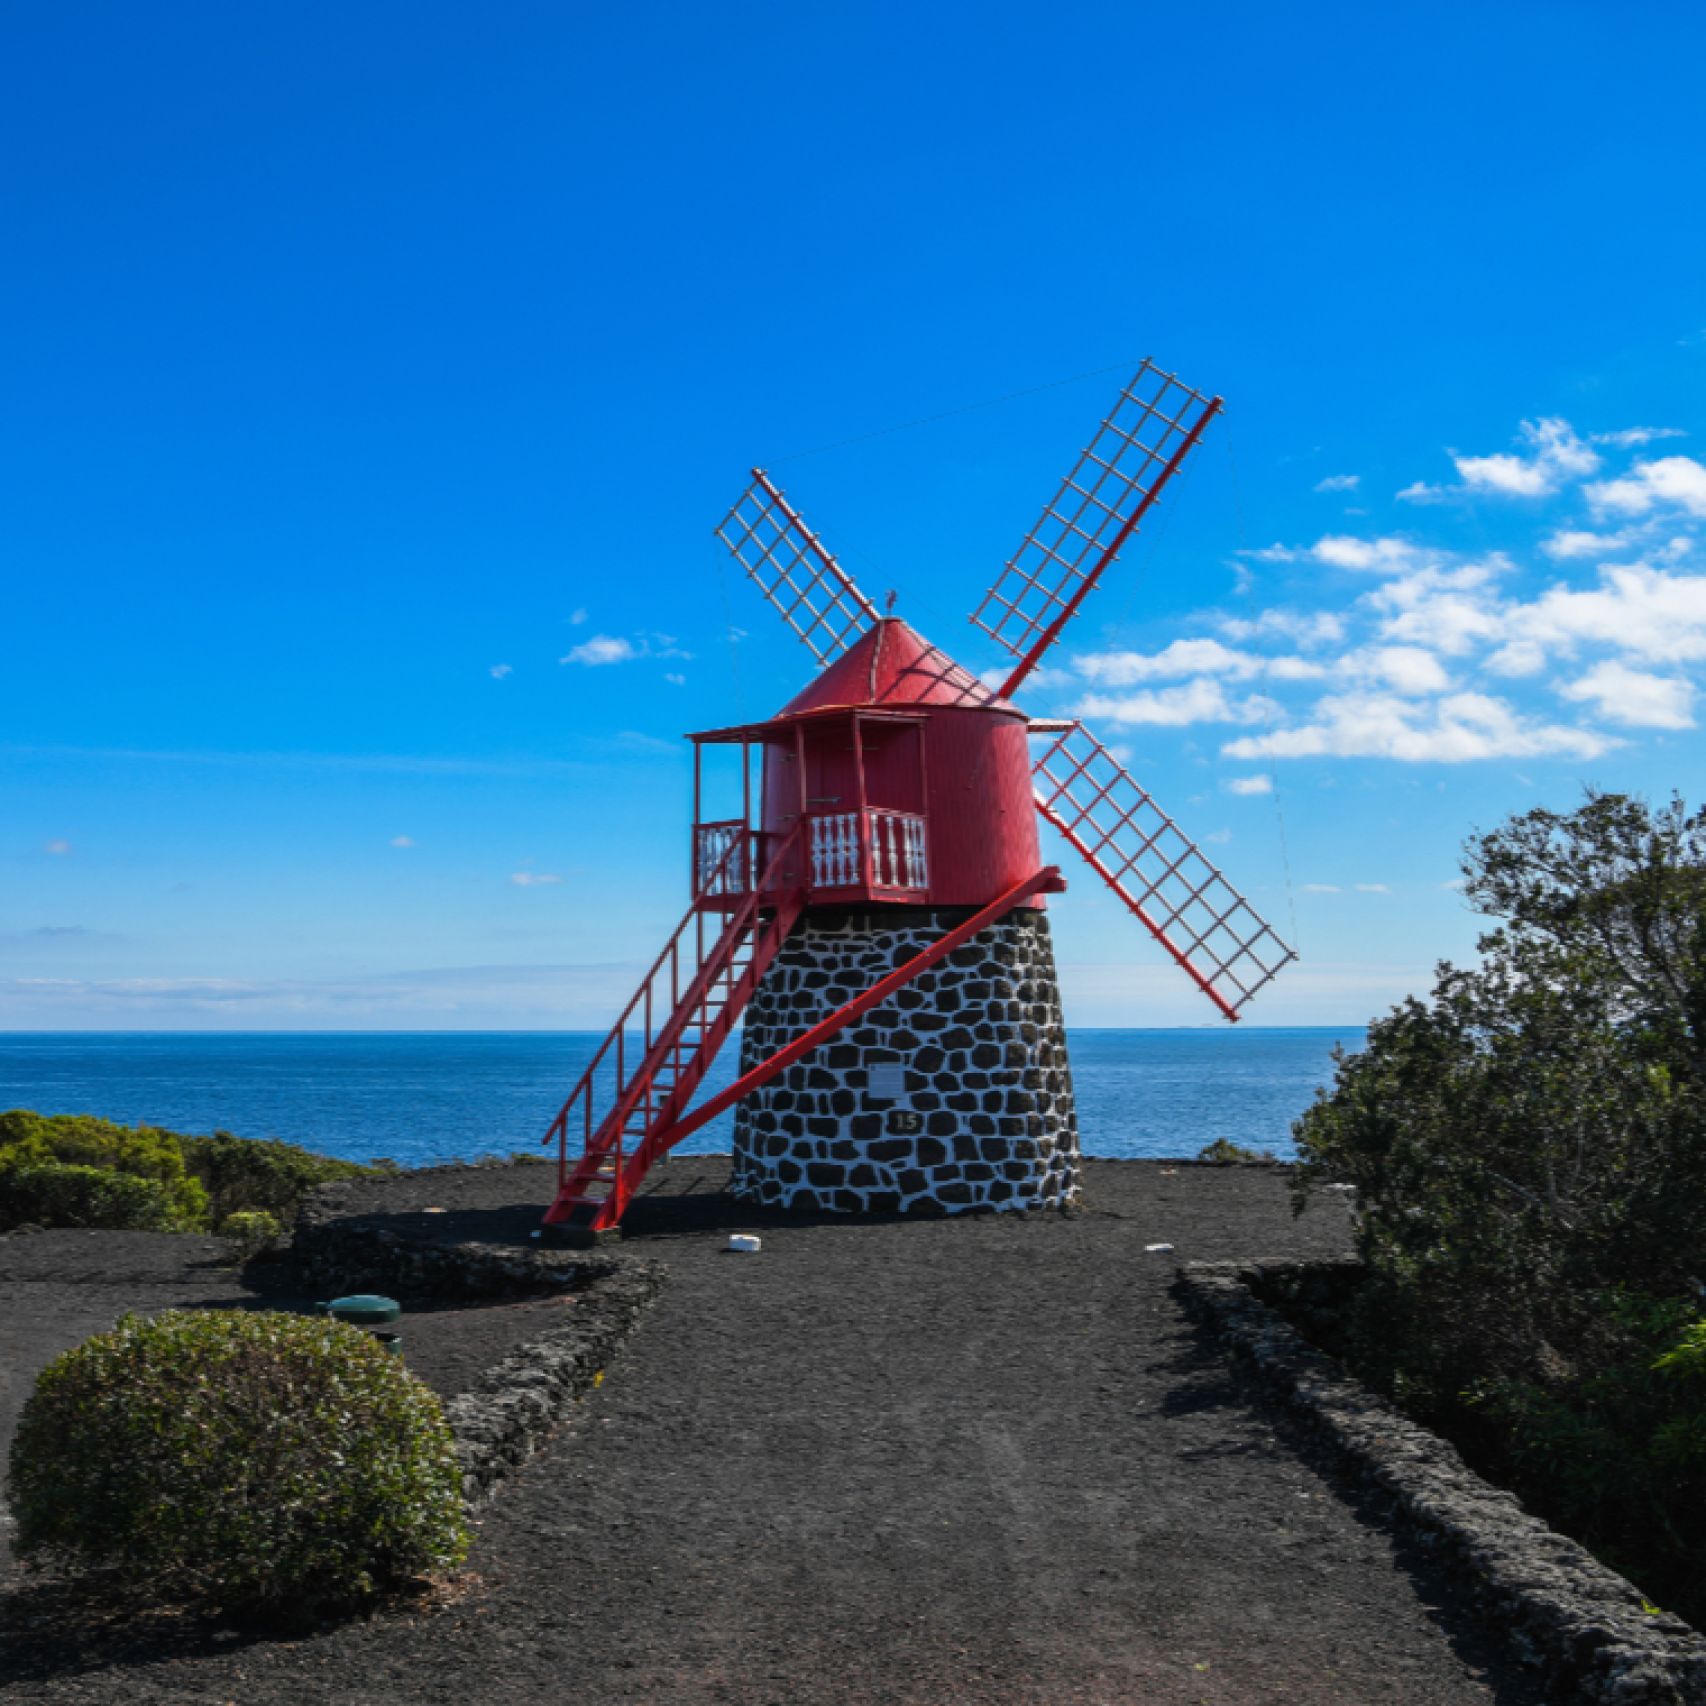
(53, 1194)
(1223, 1152)
(249, 1232)
(262, 1174)
(77, 1140)
(1529, 1150)
(206, 1179)
(250, 1461)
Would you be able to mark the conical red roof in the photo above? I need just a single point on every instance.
(894, 667)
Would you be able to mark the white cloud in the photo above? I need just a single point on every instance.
(676, 680)
(533, 879)
(1182, 657)
(1678, 480)
(500, 670)
(1321, 888)
(1453, 730)
(1199, 701)
(1420, 492)
(576, 618)
(1630, 437)
(1339, 483)
(602, 649)
(1249, 785)
(1375, 556)
(1190, 657)
(1409, 670)
(59, 848)
(1446, 610)
(1635, 698)
(1650, 614)
(1569, 543)
(1373, 888)
(402, 841)
(1556, 455)
(1517, 659)
(1307, 628)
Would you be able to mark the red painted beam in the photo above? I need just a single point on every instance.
(1052, 632)
(1046, 881)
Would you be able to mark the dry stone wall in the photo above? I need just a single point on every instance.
(953, 1094)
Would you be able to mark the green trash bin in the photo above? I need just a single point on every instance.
(367, 1309)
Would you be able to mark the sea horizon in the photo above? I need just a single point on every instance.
(422, 1097)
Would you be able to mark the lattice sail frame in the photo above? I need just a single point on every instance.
(817, 598)
(1137, 448)
(1228, 949)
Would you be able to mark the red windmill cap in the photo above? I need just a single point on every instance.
(893, 666)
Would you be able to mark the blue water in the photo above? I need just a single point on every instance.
(420, 1097)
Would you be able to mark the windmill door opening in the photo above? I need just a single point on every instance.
(867, 835)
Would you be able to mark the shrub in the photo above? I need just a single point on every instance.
(263, 1174)
(253, 1461)
(1529, 1150)
(78, 1140)
(249, 1232)
(1223, 1152)
(51, 1193)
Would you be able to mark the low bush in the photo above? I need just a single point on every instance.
(29, 1141)
(51, 1193)
(1223, 1152)
(249, 1233)
(256, 1462)
(205, 1180)
(265, 1175)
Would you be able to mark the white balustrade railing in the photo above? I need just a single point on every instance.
(896, 844)
(835, 850)
(720, 859)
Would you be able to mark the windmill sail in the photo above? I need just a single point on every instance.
(1220, 940)
(815, 595)
(1098, 507)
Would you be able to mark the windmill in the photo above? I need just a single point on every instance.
(876, 913)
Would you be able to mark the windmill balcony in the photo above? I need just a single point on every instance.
(868, 854)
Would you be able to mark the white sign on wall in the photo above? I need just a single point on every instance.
(887, 1080)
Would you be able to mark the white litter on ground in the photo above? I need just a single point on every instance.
(745, 1244)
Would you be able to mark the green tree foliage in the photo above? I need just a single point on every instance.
(1529, 1151)
(249, 1232)
(54, 1193)
(202, 1180)
(265, 1461)
(261, 1174)
(29, 1142)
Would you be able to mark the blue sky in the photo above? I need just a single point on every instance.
(363, 364)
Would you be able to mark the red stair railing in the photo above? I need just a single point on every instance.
(609, 1099)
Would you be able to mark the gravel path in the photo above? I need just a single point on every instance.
(971, 1461)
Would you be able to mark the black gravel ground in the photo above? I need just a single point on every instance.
(971, 1460)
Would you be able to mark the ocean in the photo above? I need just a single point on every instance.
(424, 1097)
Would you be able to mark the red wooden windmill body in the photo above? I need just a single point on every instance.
(899, 780)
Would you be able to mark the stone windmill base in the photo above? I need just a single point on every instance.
(954, 1094)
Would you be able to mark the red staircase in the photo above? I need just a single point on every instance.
(629, 1101)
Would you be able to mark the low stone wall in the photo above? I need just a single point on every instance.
(516, 1406)
(1563, 1611)
(953, 1094)
(363, 1254)
(520, 1402)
